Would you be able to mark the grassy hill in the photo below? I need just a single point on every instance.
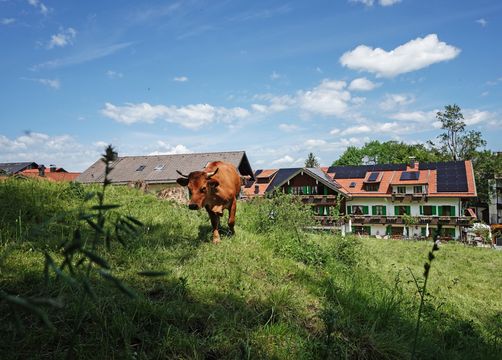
(270, 292)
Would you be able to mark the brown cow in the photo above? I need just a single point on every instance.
(215, 188)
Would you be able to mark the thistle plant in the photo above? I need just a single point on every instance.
(422, 292)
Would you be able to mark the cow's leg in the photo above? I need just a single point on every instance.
(231, 216)
(215, 220)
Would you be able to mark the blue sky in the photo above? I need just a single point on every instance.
(278, 79)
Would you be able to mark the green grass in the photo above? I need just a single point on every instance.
(268, 292)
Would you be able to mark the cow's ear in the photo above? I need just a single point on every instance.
(182, 181)
(213, 183)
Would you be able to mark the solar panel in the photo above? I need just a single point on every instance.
(281, 176)
(451, 177)
(409, 175)
(359, 171)
(373, 176)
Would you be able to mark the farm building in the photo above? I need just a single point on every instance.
(391, 200)
(158, 172)
(16, 167)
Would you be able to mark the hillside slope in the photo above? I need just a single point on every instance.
(270, 291)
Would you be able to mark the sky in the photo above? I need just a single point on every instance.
(278, 79)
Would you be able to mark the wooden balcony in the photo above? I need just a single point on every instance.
(421, 220)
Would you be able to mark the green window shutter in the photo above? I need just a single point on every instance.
(422, 231)
(433, 210)
(421, 210)
(388, 230)
(453, 211)
(384, 210)
(349, 209)
(396, 210)
(440, 210)
(365, 210)
(373, 210)
(367, 229)
(408, 210)
(325, 190)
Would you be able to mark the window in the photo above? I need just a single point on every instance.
(401, 189)
(446, 210)
(359, 210)
(159, 167)
(256, 189)
(263, 180)
(378, 210)
(428, 210)
(401, 210)
(371, 187)
(417, 189)
(141, 168)
(352, 184)
(362, 230)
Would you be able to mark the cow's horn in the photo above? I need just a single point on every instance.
(211, 174)
(179, 172)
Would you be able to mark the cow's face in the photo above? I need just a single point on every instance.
(200, 188)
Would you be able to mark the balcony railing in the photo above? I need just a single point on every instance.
(421, 220)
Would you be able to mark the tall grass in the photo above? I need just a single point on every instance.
(271, 291)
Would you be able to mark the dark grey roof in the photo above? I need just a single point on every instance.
(14, 168)
(284, 175)
(162, 168)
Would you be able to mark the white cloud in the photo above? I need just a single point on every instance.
(392, 101)
(288, 127)
(475, 116)
(314, 143)
(362, 84)
(114, 74)
(335, 131)
(329, 98)
(62, 150)
(276, 103)
(53, 83)
(414, 55)
(381, 2)
(167, 149)
(7, 21)
(482, 22)
(63, 38)
(190, 116)
(44, 10)
(180, 78)
(285, 160)
(415, 116)
(388, 2)
(358, 129)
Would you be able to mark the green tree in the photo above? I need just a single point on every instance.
(385, 153)
(455, 142)
(311, 161)
(487, 165)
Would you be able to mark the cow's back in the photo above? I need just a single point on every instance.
(227, 176)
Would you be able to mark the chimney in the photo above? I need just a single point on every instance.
(52, 168)
(41, 170)
(413, 163)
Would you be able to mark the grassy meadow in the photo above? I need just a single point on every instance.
(271, 291)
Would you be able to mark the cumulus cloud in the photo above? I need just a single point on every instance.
(167, 149)
(358, 129)
(190, 116)
(475, 117)
(414, 55)
(362, 84)
(392, 101)
(415, 116)
(63, 38)
(314, 143)
(288, 127)
(276, 103)
(285, 160)
(329, 98)
(180, 79)
(62, 150)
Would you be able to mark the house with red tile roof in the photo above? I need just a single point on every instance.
(385, 200)
(52, 174)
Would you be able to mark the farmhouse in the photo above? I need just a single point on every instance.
(17, 167)
(391, 200)
(158, 172)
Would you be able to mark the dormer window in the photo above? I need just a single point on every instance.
(159, 167)
(141, 168)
